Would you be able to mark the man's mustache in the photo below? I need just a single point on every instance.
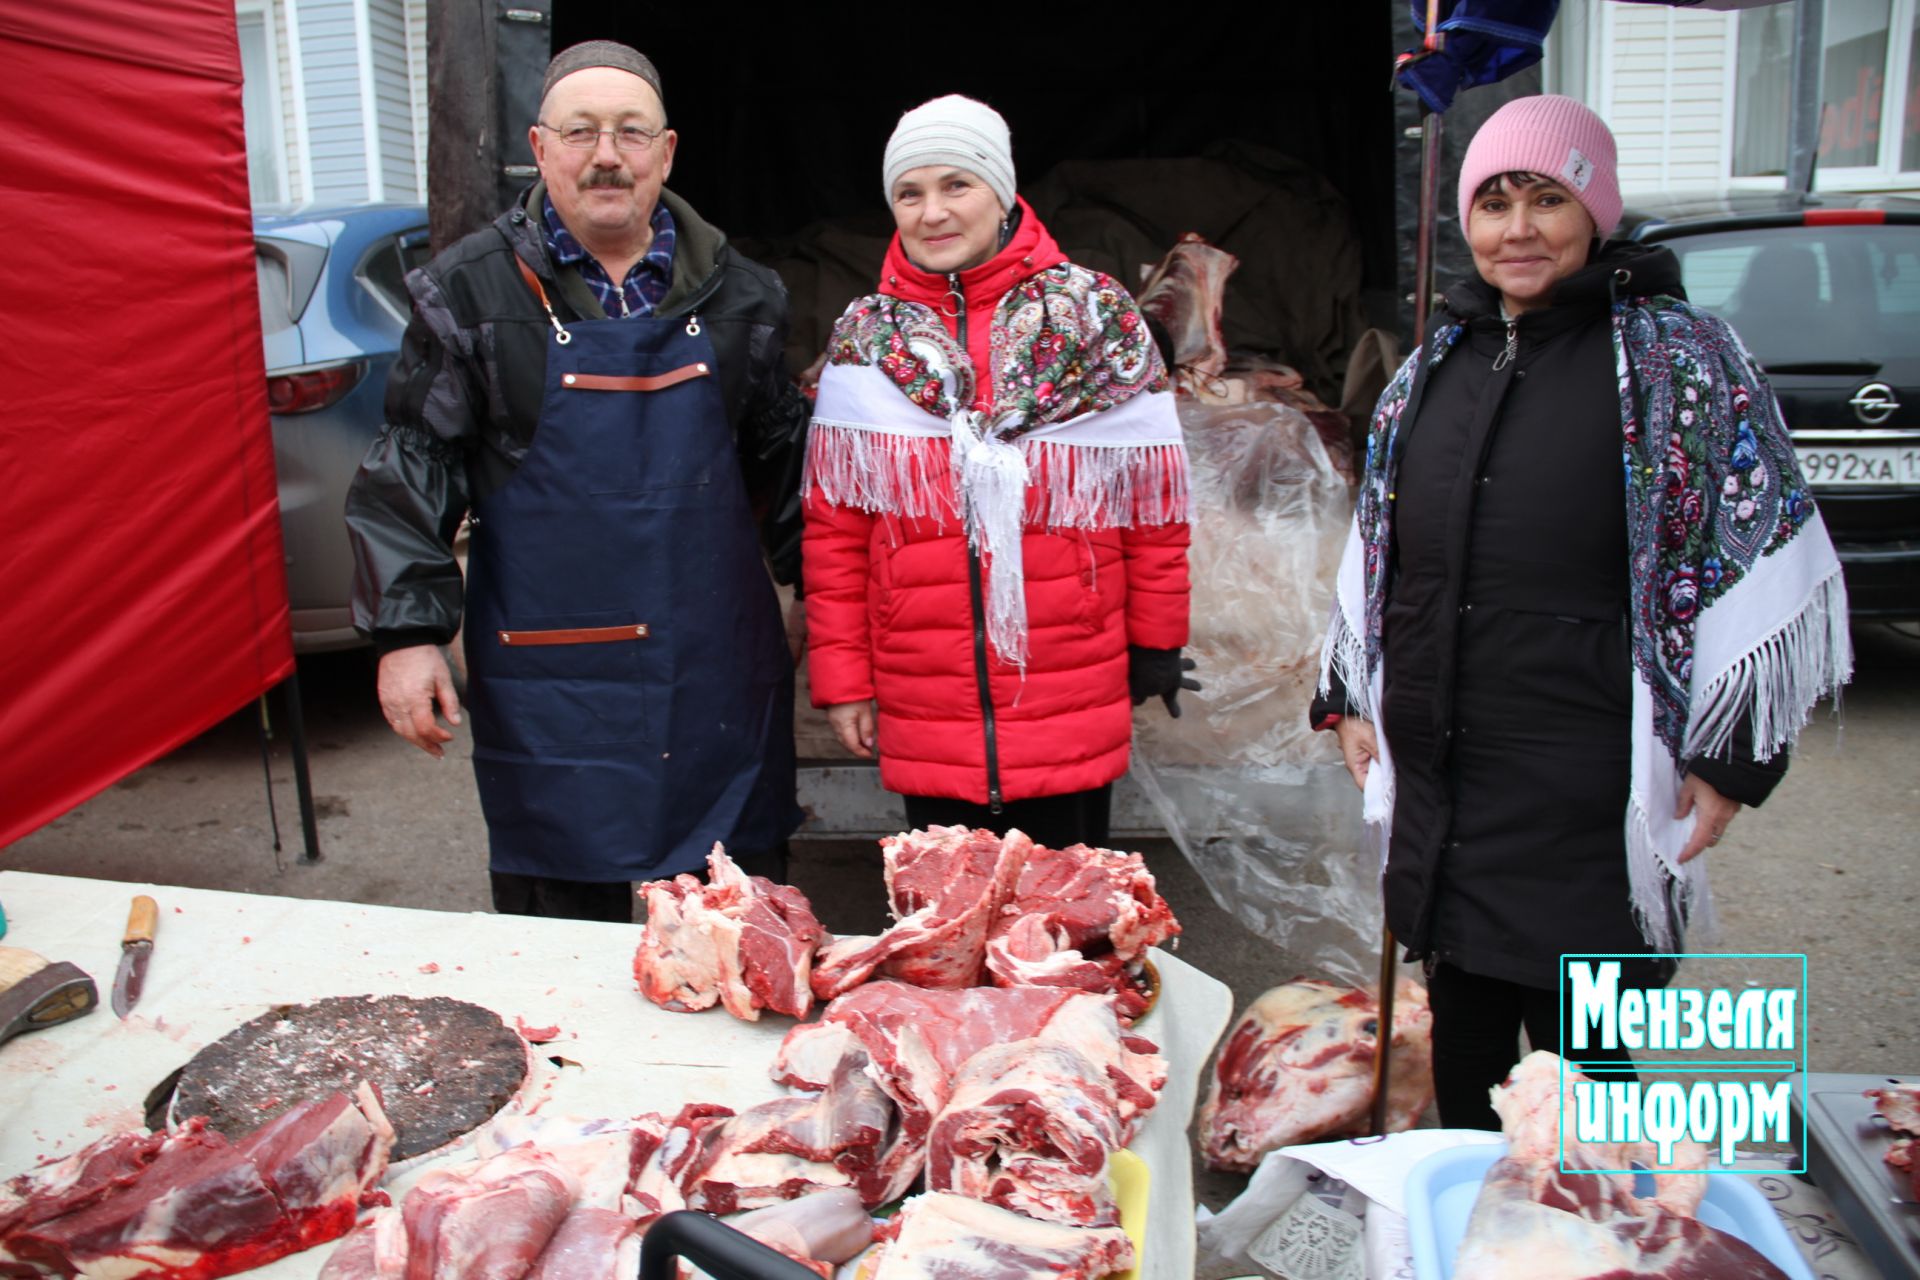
(606, 178)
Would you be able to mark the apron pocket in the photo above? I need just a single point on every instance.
(564, 680)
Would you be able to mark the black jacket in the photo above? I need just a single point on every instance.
(1508, 678)
(464, 396)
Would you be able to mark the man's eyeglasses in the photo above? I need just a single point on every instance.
(628, 137)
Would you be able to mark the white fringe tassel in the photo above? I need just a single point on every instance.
(877, 471)
(1342, 653)
(1808, 657)
(998, 487)
(991, 476)
(1651, 882)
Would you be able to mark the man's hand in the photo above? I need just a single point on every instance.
(852, 723)
(1711, 813)
(797, 629)
(1358, 747)
(411, 681)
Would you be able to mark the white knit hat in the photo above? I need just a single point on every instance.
(958, 131)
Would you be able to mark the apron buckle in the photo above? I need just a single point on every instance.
(693, 325)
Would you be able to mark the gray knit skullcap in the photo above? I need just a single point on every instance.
(958, 131)
(600, 53)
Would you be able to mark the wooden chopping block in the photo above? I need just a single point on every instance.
(35, 994)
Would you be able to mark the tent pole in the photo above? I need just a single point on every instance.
(302, 779)
(1430, 131)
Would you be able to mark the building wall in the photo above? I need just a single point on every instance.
(1665, 91)
(339, 65)
(330, 59)
(393, 103)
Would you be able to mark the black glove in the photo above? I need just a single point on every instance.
(1159, 673)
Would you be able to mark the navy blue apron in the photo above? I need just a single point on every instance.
(629, 680)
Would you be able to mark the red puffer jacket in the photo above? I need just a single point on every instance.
(895, 610)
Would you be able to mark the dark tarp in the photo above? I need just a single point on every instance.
(140, 557)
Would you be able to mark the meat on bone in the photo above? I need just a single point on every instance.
(1298, 1067)
(486, 1221)
(202, 1206)
(1530, 1103)
(1030, 1127)
(739, 940)
(945, 887)
(1186, 293)
(815, 1141)
(947, 1237)
(1533, 1222)
(918, 1042)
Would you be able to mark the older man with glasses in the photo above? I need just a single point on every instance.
(596, 380)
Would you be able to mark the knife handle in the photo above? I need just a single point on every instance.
(142, 920)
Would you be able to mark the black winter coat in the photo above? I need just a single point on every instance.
(1507, 695)
(464, 397)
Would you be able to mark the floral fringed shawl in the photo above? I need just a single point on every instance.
(1737, 610)
(1084, 434)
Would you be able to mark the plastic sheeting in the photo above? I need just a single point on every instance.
(141, 559)
(1258, 802)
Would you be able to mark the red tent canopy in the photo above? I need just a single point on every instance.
(140, 561)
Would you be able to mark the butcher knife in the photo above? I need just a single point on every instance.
(136, 948)
(35, 994)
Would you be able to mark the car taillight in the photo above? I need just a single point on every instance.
(1844, 217)
(312, 389)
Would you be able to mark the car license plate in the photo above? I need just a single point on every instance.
(1860, 466)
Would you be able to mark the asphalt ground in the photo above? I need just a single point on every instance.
(1830, 867)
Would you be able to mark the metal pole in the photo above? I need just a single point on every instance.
(1803, 124)
(302, 780)
(1431, 128)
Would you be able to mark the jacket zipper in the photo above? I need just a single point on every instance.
(1512, 348)
(994, 803)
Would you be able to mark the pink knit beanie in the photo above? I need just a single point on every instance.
(1556, 138)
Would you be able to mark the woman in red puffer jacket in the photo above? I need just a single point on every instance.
(996, 506)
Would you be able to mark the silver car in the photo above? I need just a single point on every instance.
(333, 304)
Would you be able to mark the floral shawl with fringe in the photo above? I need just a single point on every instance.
(1083, 434)
(1737, 609)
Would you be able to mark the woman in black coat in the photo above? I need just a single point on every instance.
(1491, 605)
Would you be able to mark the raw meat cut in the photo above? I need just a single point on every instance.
(791, 1146)
(70, 1184)
(662, 1152)
(1099, 900)
(947, 1237)
(203, 1206)
(945, 887)
(1899, 1106)
(741, 940)
(354, 1257)
(590, 1244)
(1029, 1128)
(1078, 918)
(918, 1041)
(1530, 1103)
(597, 1152)
(1185, 293)
(486, 1221)
(827, 1227)
(1298, 1067)
(1536, 1222)
(1532, 1222)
